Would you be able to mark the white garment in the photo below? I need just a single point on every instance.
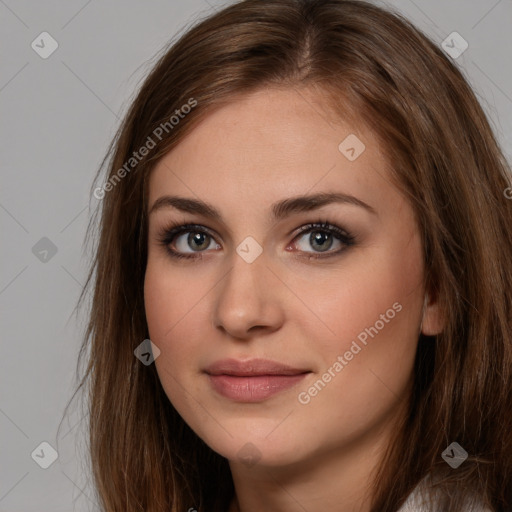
(415, 503)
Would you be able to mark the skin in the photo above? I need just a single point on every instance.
(261, 148)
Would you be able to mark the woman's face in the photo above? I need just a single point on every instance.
(342, 311)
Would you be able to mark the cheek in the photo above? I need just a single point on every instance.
(178, 310)
(171, 305)
(172, 309)
(159, 301)
(172, 296)
(374, 312)
(374, 301)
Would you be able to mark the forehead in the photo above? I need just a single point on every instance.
(270, 144)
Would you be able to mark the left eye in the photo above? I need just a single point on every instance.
(321, 237)
(320, 240)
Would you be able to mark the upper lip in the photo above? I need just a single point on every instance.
(251, 368)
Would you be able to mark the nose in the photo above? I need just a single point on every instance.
(249, 299)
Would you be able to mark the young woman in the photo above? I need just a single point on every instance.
(308, 215)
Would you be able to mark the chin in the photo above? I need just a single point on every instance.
(256, 443)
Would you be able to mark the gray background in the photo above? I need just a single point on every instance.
(58, 115)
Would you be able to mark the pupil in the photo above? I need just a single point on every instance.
(320, 237)
(198, 238)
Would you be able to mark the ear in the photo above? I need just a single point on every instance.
(433, 320)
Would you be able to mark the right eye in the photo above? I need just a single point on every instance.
(197, 240)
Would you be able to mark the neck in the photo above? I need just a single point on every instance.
(336, 479)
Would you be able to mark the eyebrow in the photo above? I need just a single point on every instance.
(279, 210)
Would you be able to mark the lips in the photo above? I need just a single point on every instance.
(254, 380)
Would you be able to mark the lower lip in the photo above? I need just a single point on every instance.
(253, 389)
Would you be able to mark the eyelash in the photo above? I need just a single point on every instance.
(167, 235)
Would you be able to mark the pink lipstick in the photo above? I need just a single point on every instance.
(254, 380)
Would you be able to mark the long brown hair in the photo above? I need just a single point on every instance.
(375, 65)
